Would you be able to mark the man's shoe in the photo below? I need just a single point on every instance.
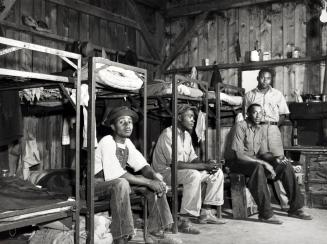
(207, 217)
(300, 214)
(272, 220)
(170, 240)
(185, 226)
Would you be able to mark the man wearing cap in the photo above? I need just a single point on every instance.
(115, 153)
(275, 109)
(191, 171)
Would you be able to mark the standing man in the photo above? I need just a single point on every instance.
(253, 159)
(275, 110)
(191, 171)
(114, 154)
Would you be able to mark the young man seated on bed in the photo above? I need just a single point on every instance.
(112, 155)
(191, 172)
(252, 158)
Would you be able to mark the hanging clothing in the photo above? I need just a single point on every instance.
(11, 119)
(201, 126)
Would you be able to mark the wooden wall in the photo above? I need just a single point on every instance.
(67, 24)
(275, 27)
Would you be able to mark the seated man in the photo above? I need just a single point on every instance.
(112, 156)
(191, 171)
(253, 160)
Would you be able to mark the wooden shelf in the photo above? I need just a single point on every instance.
(251, 65)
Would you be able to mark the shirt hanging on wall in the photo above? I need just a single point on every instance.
(11, 124)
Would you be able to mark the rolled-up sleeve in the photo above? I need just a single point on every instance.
(135, 158)
(164, 144)
(238, 140)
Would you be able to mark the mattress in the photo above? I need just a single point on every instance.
(160, 88)
(229, 99)
(115, 77)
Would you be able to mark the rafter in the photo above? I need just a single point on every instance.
(193, 9)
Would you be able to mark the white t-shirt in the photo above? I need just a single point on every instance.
(106, 159)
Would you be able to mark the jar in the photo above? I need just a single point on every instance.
(296, 53)
(266, 56)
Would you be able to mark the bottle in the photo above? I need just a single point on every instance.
(5, 173)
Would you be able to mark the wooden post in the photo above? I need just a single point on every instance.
(238, 192)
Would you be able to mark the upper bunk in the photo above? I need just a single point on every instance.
(17, 214)
(226, 97)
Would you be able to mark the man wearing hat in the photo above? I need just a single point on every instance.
(191, 171)
(116, 152)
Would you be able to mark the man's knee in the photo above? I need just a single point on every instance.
(122, 185)
(259, 170)
(193, 177)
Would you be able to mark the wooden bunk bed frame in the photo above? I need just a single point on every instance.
(91, 126)
(68, 208)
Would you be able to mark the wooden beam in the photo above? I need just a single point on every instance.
(98, 12)
(193, 9)
(149, 40)
(182, 40)
(152, 4)
(63, 39)
(7, 4)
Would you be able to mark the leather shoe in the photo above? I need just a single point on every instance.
(185, 226)
(272, 220)
(300, 214)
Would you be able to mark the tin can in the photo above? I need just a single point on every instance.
(205, 62)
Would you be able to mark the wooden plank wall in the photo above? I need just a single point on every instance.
(66, 24)
(275, 27)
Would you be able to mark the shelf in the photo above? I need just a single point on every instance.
(251, 65)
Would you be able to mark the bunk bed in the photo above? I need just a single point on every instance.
(226, 101)
(166, 96)
(105, 90)
(17, 79)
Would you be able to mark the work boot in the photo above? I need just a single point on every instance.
(207, 217)
(300, 214)
(272, 220)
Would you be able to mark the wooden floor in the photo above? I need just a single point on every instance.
(254, 232)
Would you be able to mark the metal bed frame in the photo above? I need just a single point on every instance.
(91, 131)
(42, 79)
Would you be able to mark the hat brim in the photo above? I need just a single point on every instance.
(120, 113)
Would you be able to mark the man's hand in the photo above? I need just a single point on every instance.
(282, 160)
(271, 170)
(211, 166)
(157, 186)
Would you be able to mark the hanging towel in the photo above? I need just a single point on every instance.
(84, 103)
(65, 140)
(201, 126)
(31, 157)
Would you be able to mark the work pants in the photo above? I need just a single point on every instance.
(191, 180)
(258, 187)
(122, 220)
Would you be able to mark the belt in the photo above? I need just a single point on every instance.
(269, 123)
